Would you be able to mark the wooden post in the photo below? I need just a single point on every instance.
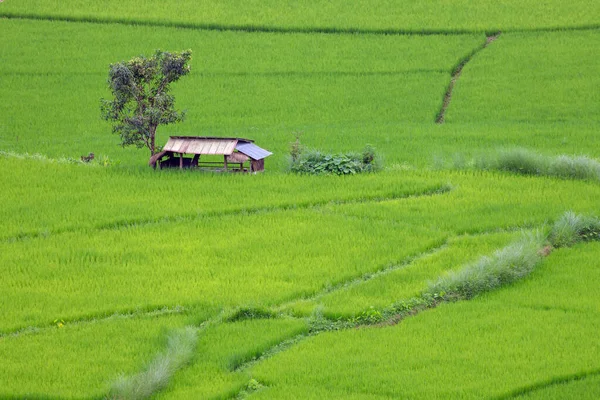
(180, 160)
(225, 159)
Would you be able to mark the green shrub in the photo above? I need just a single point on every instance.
(315, 162)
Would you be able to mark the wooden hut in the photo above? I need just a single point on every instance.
(239, 155)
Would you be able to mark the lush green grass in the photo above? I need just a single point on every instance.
(585, 388)
(502, 342)
(408, 15)
(482, 202)
(211, 262)
(404, 281)
(80, 360)
(542, 77)
(62, 197)
(222, 349)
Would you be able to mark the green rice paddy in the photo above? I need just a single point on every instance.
(297, 286)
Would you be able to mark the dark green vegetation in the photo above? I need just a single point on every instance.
(126, 282)
(141, 99)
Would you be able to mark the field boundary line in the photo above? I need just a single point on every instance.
(441, 116)
(366, 277)
(283, 29)
(237, 28)
(92, 319)
(578, 376)
(325, 73)
(433, 190)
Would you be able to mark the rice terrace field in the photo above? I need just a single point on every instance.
(466, 267)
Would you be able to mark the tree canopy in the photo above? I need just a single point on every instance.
(141, 96)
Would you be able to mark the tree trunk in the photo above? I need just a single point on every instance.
(152, 140)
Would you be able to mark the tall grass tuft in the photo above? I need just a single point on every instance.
(525, 162)
(488, 273)
(521, 161)
(572, 228)
(181, 345)
(581, 167)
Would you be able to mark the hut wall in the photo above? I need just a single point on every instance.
(257, 165)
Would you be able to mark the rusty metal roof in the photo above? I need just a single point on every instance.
(202, 145)
(214, 145)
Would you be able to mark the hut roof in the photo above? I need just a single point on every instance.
(252, 150)
(215, 145)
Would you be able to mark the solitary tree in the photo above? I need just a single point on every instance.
(142, 101)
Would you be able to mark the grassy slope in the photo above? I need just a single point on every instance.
(406, 15)
(534, 331)
(344, 91)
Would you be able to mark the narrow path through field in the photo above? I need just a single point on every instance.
(456, 74)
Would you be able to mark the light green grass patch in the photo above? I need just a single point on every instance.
(586, 388)
(80, 360)
(407, 281)
(416, 16)
(542, 77)
(483, 201)
(574, 275)
(223, 348)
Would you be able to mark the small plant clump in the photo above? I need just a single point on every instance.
(572, 228)
(525, 162)
(181, 346)
(318, 163)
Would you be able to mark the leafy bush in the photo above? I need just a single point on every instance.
(316, 162)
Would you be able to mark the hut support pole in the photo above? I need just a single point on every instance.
(225, 159)
(180, 160)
